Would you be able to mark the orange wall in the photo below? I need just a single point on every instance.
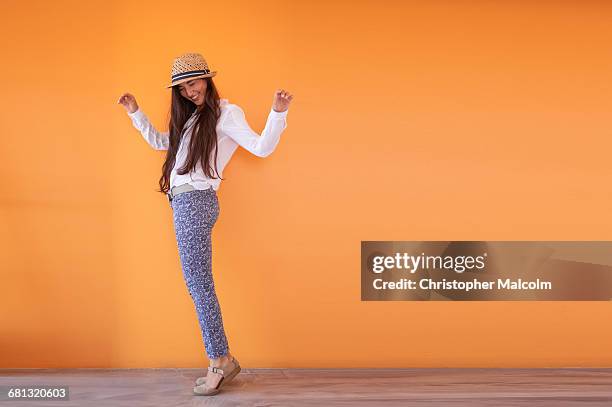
(436, 120)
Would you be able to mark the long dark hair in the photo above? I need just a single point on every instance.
(203, 138)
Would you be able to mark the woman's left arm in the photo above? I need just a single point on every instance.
(236, 126)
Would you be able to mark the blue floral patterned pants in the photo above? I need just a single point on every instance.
(195, 214)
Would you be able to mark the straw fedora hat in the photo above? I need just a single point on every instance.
(189, 66)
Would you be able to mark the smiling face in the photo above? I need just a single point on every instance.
(194, 90)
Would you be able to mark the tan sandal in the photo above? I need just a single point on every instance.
(202, 380)
(227, 373)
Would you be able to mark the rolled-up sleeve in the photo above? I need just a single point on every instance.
(236, 126)
(156, 139)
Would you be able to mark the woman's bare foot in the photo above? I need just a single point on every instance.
(223, 360)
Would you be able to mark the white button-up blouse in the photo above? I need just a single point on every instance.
(232, 131)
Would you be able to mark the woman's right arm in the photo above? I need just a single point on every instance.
(156, 139)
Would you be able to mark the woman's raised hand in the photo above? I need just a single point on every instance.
(129, 102)
(282, 99)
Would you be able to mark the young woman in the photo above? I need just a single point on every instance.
(203, 134)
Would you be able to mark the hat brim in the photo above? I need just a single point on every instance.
(208, 75)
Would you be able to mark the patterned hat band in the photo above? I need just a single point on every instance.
(189, 66)
(189, 74)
